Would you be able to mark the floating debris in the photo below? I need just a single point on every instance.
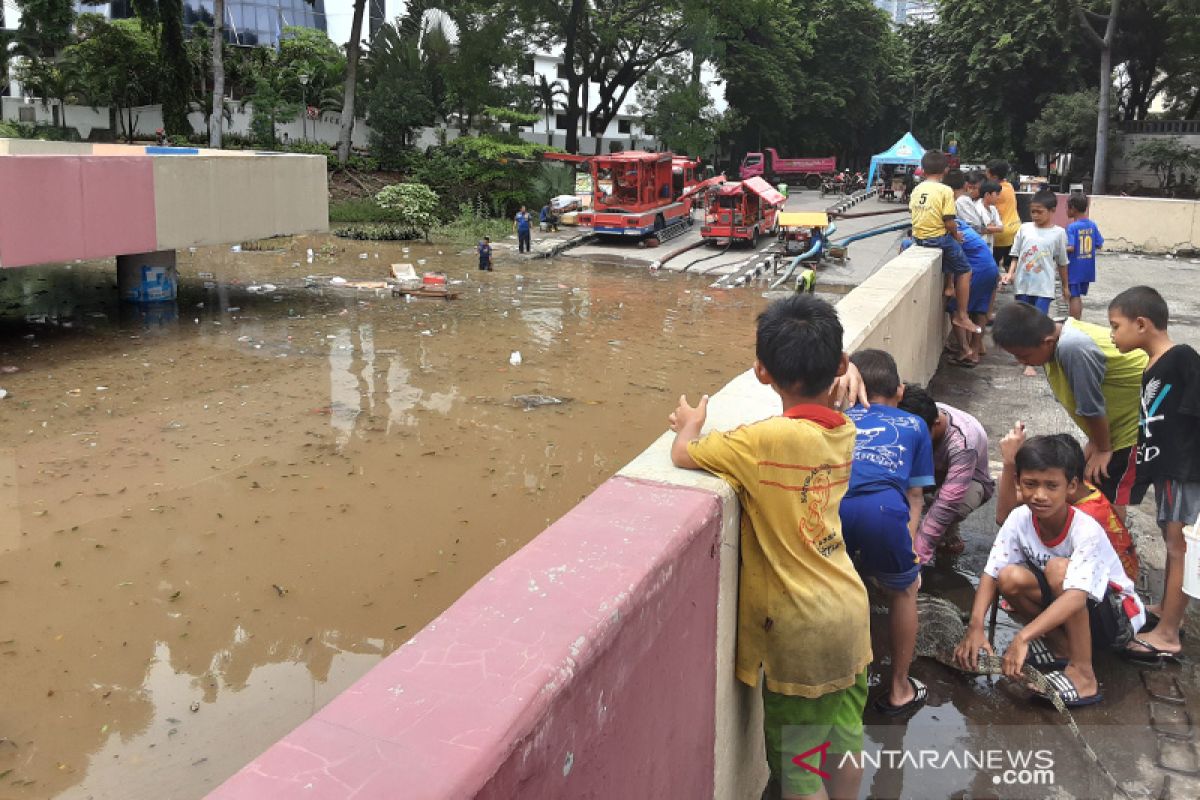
(532, 401)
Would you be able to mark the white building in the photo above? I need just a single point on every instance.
(905, 12)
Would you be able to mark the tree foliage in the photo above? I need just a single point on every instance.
(115, 65)
(1170, 159)
(680, 113)
(1067, 124)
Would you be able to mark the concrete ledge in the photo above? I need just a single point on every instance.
(1147, 224)
(580, 667)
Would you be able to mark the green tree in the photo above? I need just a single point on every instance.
(989, 68)
(115, 65)
(397, 94)
(1170, 159)
(44, 29)
(1067, 124)
(547, 96)
(680, 113)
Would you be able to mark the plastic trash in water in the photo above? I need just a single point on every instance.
(420, 261)
(310, 255)
(362, 256)
(337, 281)
(237, 248)
(515, 358)
(3, 393)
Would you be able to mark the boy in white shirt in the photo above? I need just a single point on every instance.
(1059, 572)
(989, 193)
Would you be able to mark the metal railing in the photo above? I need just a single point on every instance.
(1163, 126)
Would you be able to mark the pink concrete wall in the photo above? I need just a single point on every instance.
(60, 208)
(581, 667)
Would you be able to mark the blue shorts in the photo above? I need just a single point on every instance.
(954, 260)
(875, 529)
(1042, 304)
(983, 284)
(1078, 289)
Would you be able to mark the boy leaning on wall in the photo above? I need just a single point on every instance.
(803, 617)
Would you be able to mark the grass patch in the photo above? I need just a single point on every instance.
(469, 229)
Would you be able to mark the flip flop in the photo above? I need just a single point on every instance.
(1042, 658)
(1151, 655)
(1065, 688)
(884, 707)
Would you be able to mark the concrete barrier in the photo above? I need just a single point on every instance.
(598, 660)
(126, 200)
(1147, 224)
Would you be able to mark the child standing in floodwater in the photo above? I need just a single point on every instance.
(803, 618)
(485, 254)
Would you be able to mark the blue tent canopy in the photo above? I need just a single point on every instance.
(906, 150)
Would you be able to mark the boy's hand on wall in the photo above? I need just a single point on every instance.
(685, 417)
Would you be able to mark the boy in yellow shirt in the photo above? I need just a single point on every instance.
(933, 225)
(803, 617)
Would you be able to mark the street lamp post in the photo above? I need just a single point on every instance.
(304, 101)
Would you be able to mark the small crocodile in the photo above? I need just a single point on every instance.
(939, 631)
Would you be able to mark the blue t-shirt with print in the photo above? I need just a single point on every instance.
(522, 221)
(892, 451)
(1083, 239)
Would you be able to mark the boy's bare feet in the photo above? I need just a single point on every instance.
(1030, 372)
(966, 324)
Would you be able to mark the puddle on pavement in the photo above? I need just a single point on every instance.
(215, 517)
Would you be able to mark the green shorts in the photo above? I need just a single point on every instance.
(797, 725)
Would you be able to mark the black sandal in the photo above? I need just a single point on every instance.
(882, 705)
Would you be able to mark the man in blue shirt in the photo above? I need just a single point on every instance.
(893, 463)
(521, 224)
(1083, 240)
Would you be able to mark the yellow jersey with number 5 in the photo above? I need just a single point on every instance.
(930, 204)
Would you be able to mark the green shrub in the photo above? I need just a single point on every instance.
(377, 232)
(415, 205)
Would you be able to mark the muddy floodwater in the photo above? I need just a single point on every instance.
(217, 515)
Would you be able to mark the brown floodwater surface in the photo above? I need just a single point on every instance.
(216, 516)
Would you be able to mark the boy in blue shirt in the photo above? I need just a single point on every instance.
(893, 463)
(1083, 240)
(485, 254)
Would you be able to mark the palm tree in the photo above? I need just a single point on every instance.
(547, 93)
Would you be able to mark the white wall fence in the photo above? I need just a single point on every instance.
(148, 119)
(325, 129)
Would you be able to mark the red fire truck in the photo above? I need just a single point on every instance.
(742, 211)
(635, 193)
(807, 171)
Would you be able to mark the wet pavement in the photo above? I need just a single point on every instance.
(979, 713)
(216, 516)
